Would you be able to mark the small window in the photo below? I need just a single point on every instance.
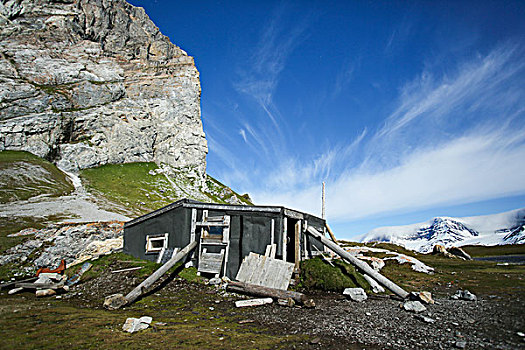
(155, 243)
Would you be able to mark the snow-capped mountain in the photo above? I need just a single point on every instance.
(503, 228)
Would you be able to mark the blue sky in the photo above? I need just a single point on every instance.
(407, 110)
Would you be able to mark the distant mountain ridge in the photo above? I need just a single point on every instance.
(496, 229)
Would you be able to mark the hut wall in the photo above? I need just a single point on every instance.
(175, 222)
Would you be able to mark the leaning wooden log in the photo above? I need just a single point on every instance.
(260, 291)
(361, 265)
(12, 284)
(138, 291)
(332, 236)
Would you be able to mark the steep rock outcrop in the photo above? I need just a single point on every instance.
(89, 82)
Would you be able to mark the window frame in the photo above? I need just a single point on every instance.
(150, 249)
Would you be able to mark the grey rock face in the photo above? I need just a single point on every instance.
(67, 241)
(91, 82)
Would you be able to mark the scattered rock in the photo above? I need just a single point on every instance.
(425, 319)
(460, 344)
(45, 292)
(309, 303)
(286, 302)
(214, 281)
(464, 295)
(315, 340)
(72, 242)
(459, 253)
(521, 334)
(414, 306)
(115, 301)
(133, 325)
(356, 294)
(425, 297)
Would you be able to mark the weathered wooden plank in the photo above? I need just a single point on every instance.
(293, 214)
(211, 223)
(285, 238)
(267, 251)
(193, 225)
(39, 285)
(253, 302)
(128, 269)
(265, 271)
(211, 262)
(12, 284)
(297, 244)
(260, 291)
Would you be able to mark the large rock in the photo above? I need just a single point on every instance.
(356, 294)
(91, 82)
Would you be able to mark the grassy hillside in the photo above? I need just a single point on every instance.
(24, 175)
(142, 187)
(130, 189)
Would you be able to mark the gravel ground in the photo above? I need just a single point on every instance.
(491, 322)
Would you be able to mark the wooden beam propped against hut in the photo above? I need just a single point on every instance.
(361, 265)
(143, 287)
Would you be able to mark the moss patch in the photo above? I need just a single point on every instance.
(319, 275)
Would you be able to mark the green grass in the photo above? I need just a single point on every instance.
(31, 323)
(24, 175)
(139, 188)
(507, 249)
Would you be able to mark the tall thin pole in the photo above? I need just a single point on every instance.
(323, 212)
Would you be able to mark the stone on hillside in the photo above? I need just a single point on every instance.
(414, 306)
(425, 297)
(464, 295)
(425, 319)
(45, 292)
(459, 253)
(461, 344)
(214, 281)
(115, 301)
(133, 325)
(356, 294)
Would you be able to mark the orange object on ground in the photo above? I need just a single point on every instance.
(60, 269)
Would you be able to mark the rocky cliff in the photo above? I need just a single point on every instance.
(89, 82)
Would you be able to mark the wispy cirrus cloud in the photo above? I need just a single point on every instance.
(452, 138)
(260, 75)
(472, 88)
